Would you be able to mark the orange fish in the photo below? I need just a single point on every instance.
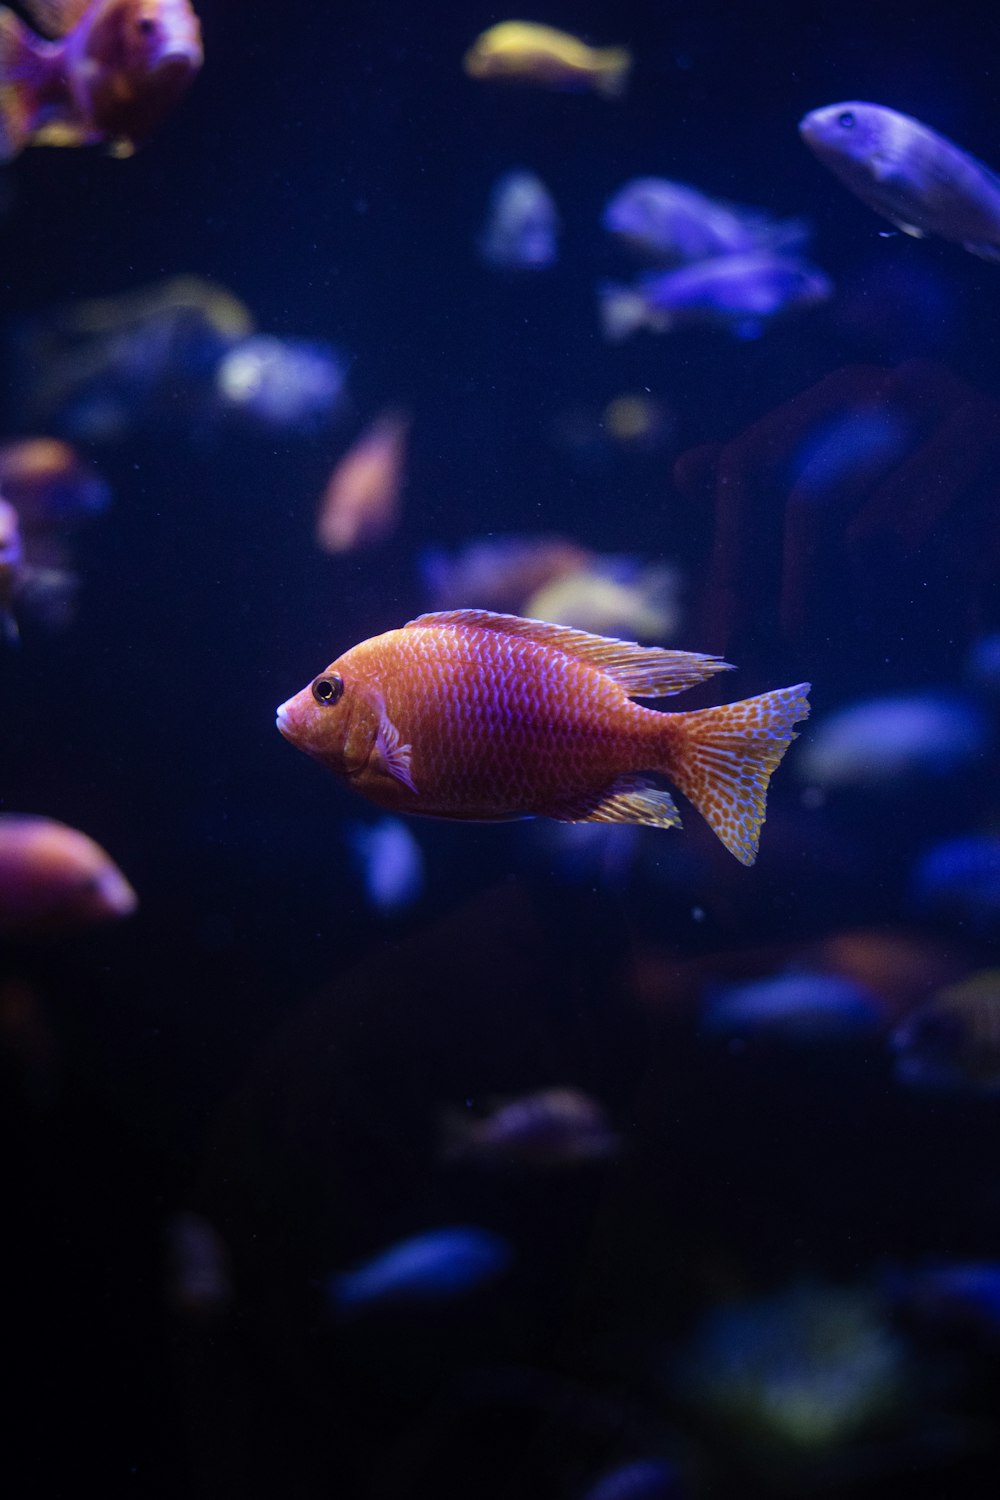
(54, 879)
(113, 72)
(360, 505)
(490, 717)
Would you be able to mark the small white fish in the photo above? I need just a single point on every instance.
(522, 224)
(430, 1267)
(614, 597)
(553, 1128)
(915, 178)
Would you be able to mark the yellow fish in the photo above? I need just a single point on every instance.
(525, 52)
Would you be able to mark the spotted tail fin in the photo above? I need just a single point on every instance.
(722, 759)
(22, 74)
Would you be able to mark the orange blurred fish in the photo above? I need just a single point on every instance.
(361, 502)
(490, 717)
(54, 879)
(113, 72)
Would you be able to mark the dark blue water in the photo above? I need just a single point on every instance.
(258, 1045)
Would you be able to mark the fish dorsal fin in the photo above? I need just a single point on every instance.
(643, 671)
(56, 17)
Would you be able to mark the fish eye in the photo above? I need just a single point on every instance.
(327, 690)
(846, 119)
(146, 25)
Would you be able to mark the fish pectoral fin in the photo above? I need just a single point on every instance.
(642, 671)
(628, 799)
(391, 757)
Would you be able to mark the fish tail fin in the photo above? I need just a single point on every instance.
(623, 311)
(613, 67)
(722, 759)
(22, 72)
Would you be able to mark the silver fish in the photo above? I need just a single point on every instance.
(672, 224)
(915, 178)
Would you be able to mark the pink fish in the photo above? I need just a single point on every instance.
(55, 880)
(113, 71)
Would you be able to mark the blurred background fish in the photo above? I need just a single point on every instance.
(643, 1479)
(361, 502)
(527, 52)
(809, 1369)
(952, 1040)
(740, 293)
(960, 1296)
(198, 1268)
(390, 861)
(498, 572)
(281, 385)
(55, 880)
(803, 1006)
(522, 224)
(557, 1127)
(615, 597)
(99, 369)
(959, 879)
(671, 224)
(432, 1267)
(882, 741)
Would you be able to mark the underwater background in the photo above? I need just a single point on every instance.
(213, 1107)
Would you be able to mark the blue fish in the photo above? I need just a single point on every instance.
(672, 224)
(951, 1294)
(430, 1267)
(390, 861)
(803, 1006)
(960, 878)
(522, 224)
(741, 293)
(644, 1479)
(291, 385)
(881, 741)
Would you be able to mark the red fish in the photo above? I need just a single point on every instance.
(490, 717)
(113, 72)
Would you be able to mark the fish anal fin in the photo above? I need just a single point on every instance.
(628, 799)
(390, 756)
(722, 760)
(56, 17)
(642, 671)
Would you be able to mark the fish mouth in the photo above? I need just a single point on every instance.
(810, 126)
(283, 721)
